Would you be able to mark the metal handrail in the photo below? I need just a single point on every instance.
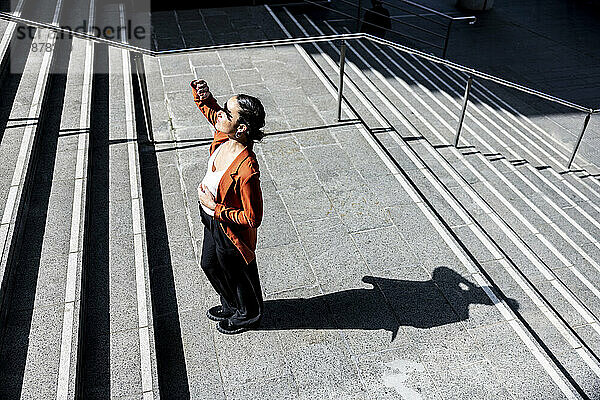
(397, 18)
(472, 19)
(70, 32)
(369, 23)
(479, 74)
(431, 10)
(153, 53)
(139, 51)
(264, 43)
(411, 13)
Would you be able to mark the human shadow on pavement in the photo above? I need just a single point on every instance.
(391, 303)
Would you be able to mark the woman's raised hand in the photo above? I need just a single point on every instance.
(201, 88)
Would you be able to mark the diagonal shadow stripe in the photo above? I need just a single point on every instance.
(170, 357)
(93, 366)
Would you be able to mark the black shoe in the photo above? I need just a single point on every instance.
(216, 313)
(228, 329)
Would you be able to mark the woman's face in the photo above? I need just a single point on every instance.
(228, 117)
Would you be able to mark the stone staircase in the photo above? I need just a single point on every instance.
(393, 264)
(55, 336)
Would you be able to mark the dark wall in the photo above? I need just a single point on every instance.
(181, 4)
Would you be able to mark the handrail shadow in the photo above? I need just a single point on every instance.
(197, 142)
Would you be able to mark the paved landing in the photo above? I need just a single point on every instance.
(367, 295)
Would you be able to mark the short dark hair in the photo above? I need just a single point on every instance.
(252, 114)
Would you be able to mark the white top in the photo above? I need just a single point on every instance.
(212, 178)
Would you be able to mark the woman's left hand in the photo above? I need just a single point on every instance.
(206, 197)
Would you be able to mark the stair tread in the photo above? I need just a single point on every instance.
(125, 357)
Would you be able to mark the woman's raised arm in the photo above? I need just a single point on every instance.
(205, 100)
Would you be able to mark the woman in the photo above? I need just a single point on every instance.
(231, 208)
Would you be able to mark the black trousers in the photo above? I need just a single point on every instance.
(236, 282)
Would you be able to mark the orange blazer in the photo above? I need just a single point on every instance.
(239, 198)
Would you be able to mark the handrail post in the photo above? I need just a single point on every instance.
(341, 79)
(358, 16)
(447, 39)
(585, 124)
(141, 75)
(464, 110)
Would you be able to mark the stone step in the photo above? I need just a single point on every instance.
(43, 298)
(74, 147)
(587, 185)
(48, 273)
(33, 11)
(586, 217)
(95, 350)
(132, 362)
(26, 94)
(553, 184)
(556, 124)
(507, 121)
(7, 30)
(119, 357)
